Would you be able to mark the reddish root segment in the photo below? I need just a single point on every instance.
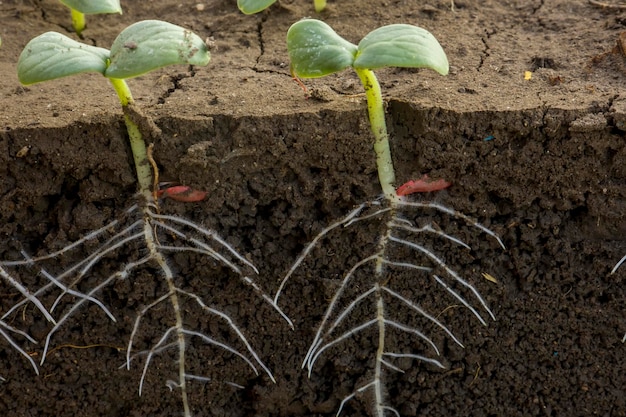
(182, 193)
(423, 185)
(302, 86)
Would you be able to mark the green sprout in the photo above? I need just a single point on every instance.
(316, 50)
(140, 48)
(406, 247)
(79, 8)
(256, 6)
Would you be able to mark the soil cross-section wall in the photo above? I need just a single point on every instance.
(528, 126)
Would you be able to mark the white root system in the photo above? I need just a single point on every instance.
(369, 286)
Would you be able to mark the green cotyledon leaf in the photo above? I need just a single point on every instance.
(254, 6)
(53, 55)
(401, 45)
(94, 6)
(316, 50)
(150, 44)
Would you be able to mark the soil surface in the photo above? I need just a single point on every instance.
(528, 126)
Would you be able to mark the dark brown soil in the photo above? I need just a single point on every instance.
(538, 160)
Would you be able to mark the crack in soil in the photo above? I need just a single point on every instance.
(536, 9)
(261, 42)
(484, 54)
(42, 11)
(176, 85)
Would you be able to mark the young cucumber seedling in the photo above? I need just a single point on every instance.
(255, 6)
(140, 48)
(79, 8)
(383, 283)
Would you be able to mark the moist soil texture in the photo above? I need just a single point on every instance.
(528, 127)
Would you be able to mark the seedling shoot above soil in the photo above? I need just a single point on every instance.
(141, 48)
(406, 246)
(316, 50)
(79, 8)
(256, 6)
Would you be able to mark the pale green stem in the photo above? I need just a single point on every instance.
(319, 5)
(137, 144)
(78, 21)
(376, 112)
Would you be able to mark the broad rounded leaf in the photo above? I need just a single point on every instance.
(401, 46)
(94, 6)
(53, 55)
(254, 6)
(151, 44)
(315, 49)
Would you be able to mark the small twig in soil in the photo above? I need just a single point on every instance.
(604, 5)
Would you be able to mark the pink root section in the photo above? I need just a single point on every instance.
(182, 193)
(423, 185)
